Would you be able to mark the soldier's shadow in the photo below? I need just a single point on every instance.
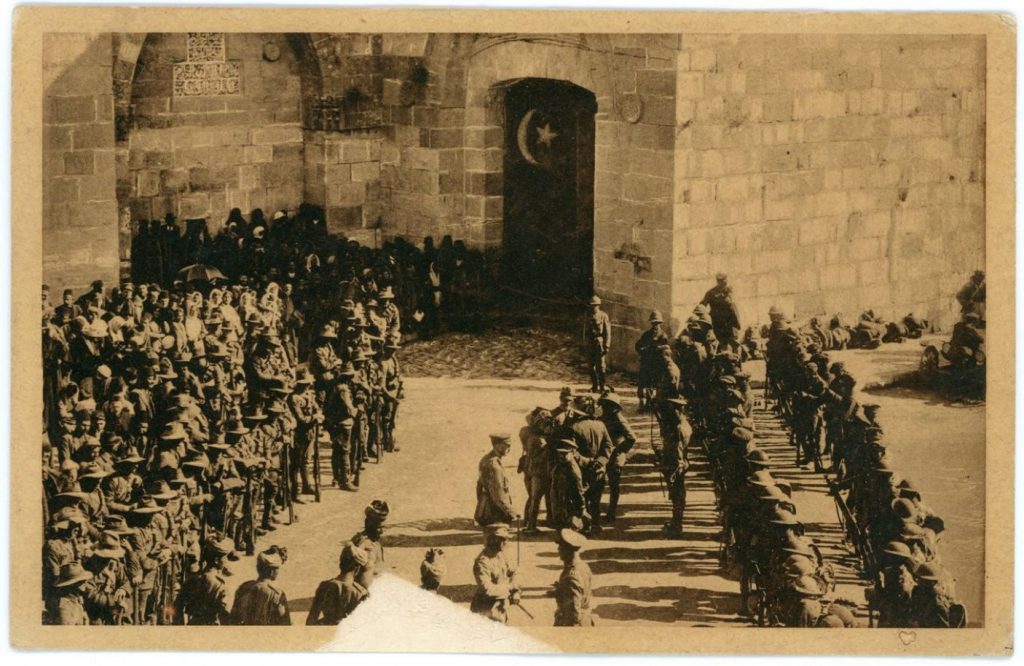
(434, 533)
(689, 604)
(681, 560)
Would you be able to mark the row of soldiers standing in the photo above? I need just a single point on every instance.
(894, 532)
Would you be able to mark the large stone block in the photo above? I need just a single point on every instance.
(346, 195)
(275, 135)
(365, 171)
(78, 163)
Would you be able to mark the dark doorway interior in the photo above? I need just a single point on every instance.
(548, 233)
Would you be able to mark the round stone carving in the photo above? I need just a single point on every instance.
(632, 108)
(271, 52)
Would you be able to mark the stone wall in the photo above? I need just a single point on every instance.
(80, 221)
(343, 175)
(830, 173)
(200, 156)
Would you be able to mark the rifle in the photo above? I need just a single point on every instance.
(286, 482)
(657, 458)
(248, 516)
(136, 611)
(316, 461)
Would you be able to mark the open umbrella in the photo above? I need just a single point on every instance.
(200, 273)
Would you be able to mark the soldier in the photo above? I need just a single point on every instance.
(493, 495)
(324, 362)
(307, 416)
(204, 597)
(149, 544)
(725, 317)
(340, 412)
(273, 437)
(108, 597)
(672, 460)
(568, 504)
(572, 591)
(496, 587)
(388, 311)
(535, 465)
(647, 351)
(894, 585)
(971, 296)
(623, 438)
(337, 597)
(61, 548)
(260, 601)
(370, 539)
(66, 604)
(595, 450)
(560, 413)
(597, 340)
(391, 393)
(930, 602)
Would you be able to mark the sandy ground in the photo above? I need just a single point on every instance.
(639, 577)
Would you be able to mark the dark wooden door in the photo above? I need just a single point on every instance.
(549, 189)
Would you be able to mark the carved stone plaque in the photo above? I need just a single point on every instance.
(206, 72)
(193, 79)
(205, 46)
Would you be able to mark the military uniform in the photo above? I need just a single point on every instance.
(307, 415)
(597, 341)
(573, 589)
(647, 351)
(204, 598)
(623, 438)
(339, 414)
(672, 460)
(335, 599)
(496, 586)
(568, 501)
(493, 492)
(260, 601)
(595, 450)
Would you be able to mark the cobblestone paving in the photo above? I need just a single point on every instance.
(540, 354)
(512, 354)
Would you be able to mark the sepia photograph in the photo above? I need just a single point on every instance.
(618, 327)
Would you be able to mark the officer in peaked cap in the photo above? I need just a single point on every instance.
(493, 489)
(573, 589)
(496, 587)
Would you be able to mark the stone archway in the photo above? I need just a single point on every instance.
(160, 139)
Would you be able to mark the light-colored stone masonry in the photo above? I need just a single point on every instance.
(829, 173)
(80, 218)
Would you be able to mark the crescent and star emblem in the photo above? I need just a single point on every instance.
(545, 137)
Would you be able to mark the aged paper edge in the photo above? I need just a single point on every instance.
(996, 638)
